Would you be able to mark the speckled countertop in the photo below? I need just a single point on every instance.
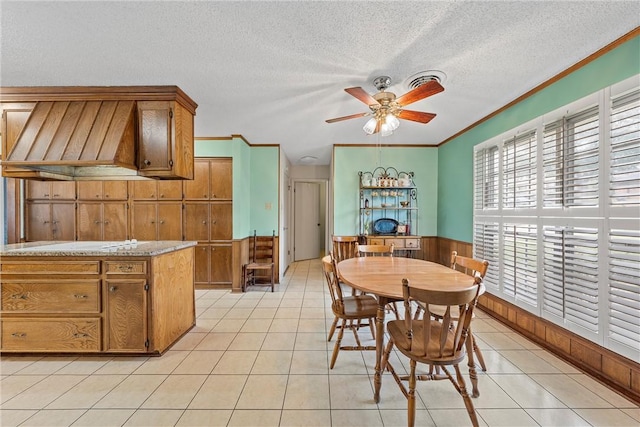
(91, 248)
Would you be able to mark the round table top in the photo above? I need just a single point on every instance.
(383, 276)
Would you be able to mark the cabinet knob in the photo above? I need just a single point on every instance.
(97, 196)
(204, 195)
(153, 222)
(213, 222)
(204, 222)
(46, 222)
(46, 194)
(147, 162)
(19, 334)
(213, 196)
(161, 195)
(96, 222)
(18, 296)
(106, 196)
(112, 288)
(162, 221)
(80, 296)
(106, 222)
(80, 335)
(54, 222)
(56, 195)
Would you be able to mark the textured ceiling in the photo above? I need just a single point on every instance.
(275, 71)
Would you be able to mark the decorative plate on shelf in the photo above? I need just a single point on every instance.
(385, 226)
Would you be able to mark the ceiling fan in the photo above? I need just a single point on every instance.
(386, 109)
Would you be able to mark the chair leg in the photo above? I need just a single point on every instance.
(472, 366)
(336, 347)
(465, 396)
(411, 398)
(272, 278)
(372, 326)
(477, 352)
(244, 278)
(333, 328)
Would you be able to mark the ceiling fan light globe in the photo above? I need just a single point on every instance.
(385, 130)
(370, 127)
(392, 121)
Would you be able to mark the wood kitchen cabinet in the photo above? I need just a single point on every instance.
(102, 190)
(221, 221)
(199, 187)
(221, 264)
(157, 190)
(102, 221)
(50, 221)
(165, 135)
(156, 221)
(14, 117)
(221, 179)
(196, 221)
(87, 301)
(50, 190)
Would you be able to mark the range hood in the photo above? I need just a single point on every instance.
(97, 133)
(78, 140)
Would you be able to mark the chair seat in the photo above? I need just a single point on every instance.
(398, 331)
(258, 266)
(357, 306)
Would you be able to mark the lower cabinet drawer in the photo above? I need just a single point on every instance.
(66, 296)
(411, 243)
(52, 335)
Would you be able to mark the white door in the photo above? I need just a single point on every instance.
(307, 221)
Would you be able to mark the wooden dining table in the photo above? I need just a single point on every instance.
(382, 277)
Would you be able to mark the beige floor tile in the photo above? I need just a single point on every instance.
(284, 325)
(213, 313)
(313, 313)
(307, 392)
(247, 303)
(506, 417)
(219, 392)
(239, 313)
(12, 364)
(204, 418)
(272, 362)
(247, 341)
(121, 365)
(557, 417)
(85, 394)
(84, 365)
(43, 393)
(498, 341)
(205, 325)
(131, 392)
(309, 362)
(604, 392)
(256, 325)
(199, 362)
(351, 392)
(263, 313)
(554, 361)
(526, 392)
(607, 418)
(263, 392)
(355, 417)
(349, 362)
(305, 418)
(312, 325)
(269, 303)
(633, 413)
(162, 365)
(228, 325)
(154, 417)
(176, 392)
(255, 418)
(235, 362)
(51, 418)
(216, 341)
(529, 362)
(14, 417)
(498, 364)
(104, 417)
(288, 312)
(189, 341)
(398, 418)
(570, 392)
(311, 341)
(13, 385)
(279, 341)
(47, 365)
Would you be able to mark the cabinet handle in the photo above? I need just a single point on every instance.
(106, 196)
(46, 222)
(213, 222)
(153, 221)
(147, 162)
(106, 222)
(204, 195)
(213, 196)
(80, 335)
(162, 196)
(162, 221)
(125, 267)
(54, 222)
(56, 195)
(80, 296)
(19, 334)
(112, 288)
(17, 296)
(204, 222)
(46, 194)
(96, 222)
(97, 196)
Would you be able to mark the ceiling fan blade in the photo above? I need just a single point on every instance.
(430, 88)
(362, 95)
(416, 116)
(353, 116)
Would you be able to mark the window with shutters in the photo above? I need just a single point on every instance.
(557, 215)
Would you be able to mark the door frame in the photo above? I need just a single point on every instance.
(324, 183)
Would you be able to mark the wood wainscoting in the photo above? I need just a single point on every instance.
(612, 369)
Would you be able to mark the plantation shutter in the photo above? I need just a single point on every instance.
(624, 287)
(486, 236)
(553, 271)
(486, 178)
(519, 171)
(624, 170)
(519, 258)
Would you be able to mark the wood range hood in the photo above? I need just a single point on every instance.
(97, 132)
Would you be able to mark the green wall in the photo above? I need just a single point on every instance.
(455, 158)
(250, 189)
(348, 161)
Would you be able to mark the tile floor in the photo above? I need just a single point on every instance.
(261, 359)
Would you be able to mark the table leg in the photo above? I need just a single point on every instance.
(377, 380)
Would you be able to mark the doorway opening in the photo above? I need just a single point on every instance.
(309, 219)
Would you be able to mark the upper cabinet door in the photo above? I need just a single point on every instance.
(155, 133)
(115, 190)
(89, 190)
(221, 179)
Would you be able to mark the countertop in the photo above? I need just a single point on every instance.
(94, 248)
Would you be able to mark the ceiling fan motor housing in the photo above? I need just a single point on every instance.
(382, 82)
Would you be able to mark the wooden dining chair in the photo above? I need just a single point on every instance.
(344, 247)
(261, 260)
(432, 342)
(350, 310)
(375, 250)
(474, 268)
